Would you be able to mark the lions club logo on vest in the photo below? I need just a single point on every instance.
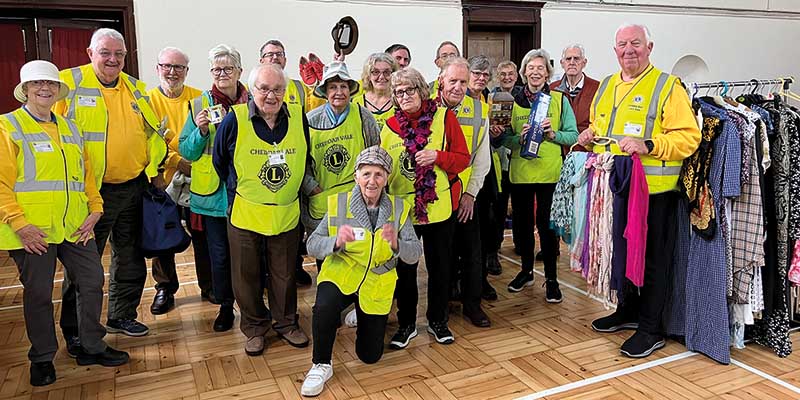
(336, 158)
(407, 166)
(466, 110)
(638, 99)
(292, 98)
(274, 176)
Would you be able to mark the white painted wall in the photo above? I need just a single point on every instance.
(303, 27)
(756, 41)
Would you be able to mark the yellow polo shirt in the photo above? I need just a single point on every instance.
(176, 110)
(126, 143)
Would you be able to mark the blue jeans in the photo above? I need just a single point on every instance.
(217, 237)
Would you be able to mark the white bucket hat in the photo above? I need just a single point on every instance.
(335, 69)
(39, 70)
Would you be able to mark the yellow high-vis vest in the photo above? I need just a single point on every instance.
(295, 94)
(637, 115)
(362, 265)
(50, 179)
(334, 152)
(380, 117)
(401, 180)
(472, 117)
(269, 176)
(205, 180)
(86, 106)
(546, 168)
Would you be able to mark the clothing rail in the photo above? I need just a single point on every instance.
(786, 82)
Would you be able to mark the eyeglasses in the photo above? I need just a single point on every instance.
(117, 54)
(274, 54)
(479, 74)
(265, 91)
(42, 83)
(175, 67)
(575, 59)
(447, 55)
(377, 74)
(407, 92)
(216, 71)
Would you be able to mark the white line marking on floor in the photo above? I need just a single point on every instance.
(766, 376)
(607, 376)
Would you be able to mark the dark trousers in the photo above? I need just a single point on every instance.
(487, 224)
(327, 313)
(163, 267)
(500, 210)
(437, 245)
(522, 200)
(248, 249)
(217, 241)
(468, 261)
(649, 302)
(121, 224)
(82, 265)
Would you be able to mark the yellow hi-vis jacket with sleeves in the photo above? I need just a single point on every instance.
(205, 180)
(637, 115)
(364, 266)
(334, 153)
(401, 180)
(269, 176)
(50, 179)
(472, 116)
(85, 105)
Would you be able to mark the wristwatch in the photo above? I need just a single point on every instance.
(649, 144)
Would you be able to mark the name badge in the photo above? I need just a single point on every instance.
(633, 129)
(43, 147)
(87, 101)
(277, 158)
(359, 233)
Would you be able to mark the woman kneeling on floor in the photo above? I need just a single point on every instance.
(360, 238)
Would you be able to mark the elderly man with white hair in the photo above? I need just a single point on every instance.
(122, 135)
(170, 101)
(648, 113)
(260, 150)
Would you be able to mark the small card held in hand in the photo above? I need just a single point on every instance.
(216, 114)
(533, 139)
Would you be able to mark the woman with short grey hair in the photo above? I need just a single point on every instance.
(535, 179)
(480, 73)
(208, 194)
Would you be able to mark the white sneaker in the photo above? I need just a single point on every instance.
(315, 379)
(351, 319)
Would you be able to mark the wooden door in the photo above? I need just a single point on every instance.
(64, 42)
(494, 45)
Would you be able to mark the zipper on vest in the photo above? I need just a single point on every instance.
(66, 190)
(371, 250)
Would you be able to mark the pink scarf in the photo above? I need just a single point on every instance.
(636, 230)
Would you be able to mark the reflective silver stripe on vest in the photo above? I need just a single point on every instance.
(197, 106)
(398, 213)
(600, 92)
(136, 93)
(77, 186)
(652, 112)
(77, 78)
(75, 137)
(29, 183)
(476, 122)
(300, 92)
(651, 170)
(341, 211)
(94, 136)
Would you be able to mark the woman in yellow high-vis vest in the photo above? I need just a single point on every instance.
(377, 96)
(535, 179)
(49, 205)
(363, 235)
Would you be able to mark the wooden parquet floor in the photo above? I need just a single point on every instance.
(533, 350)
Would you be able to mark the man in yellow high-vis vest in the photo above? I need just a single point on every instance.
(260, 151)
(123, 138)
(472, 116)
(648, 113)
(170, 101)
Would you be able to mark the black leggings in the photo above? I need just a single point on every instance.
(522, 199)
(327, 317)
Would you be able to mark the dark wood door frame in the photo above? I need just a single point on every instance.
(502, 14)
(122, 7)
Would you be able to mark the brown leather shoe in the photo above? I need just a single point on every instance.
(295, 337)
(254, 346)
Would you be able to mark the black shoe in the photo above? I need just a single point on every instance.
(163, 302)
(642, 344)
(403, 337)
(552, 292)
(523, 278)
(478, 318)
(493, 266)
(73, 346)
(209, 297)
(301, 277)
(441, 332)
(42, 373)
(224, 321)
(130, 327)
(614, 322)
(487, 291)
(108, 358)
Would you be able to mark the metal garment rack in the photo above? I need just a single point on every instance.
(756, 84)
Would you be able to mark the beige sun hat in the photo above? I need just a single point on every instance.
(39, 70)
(335, 69)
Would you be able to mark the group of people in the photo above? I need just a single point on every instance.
(372, 172)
